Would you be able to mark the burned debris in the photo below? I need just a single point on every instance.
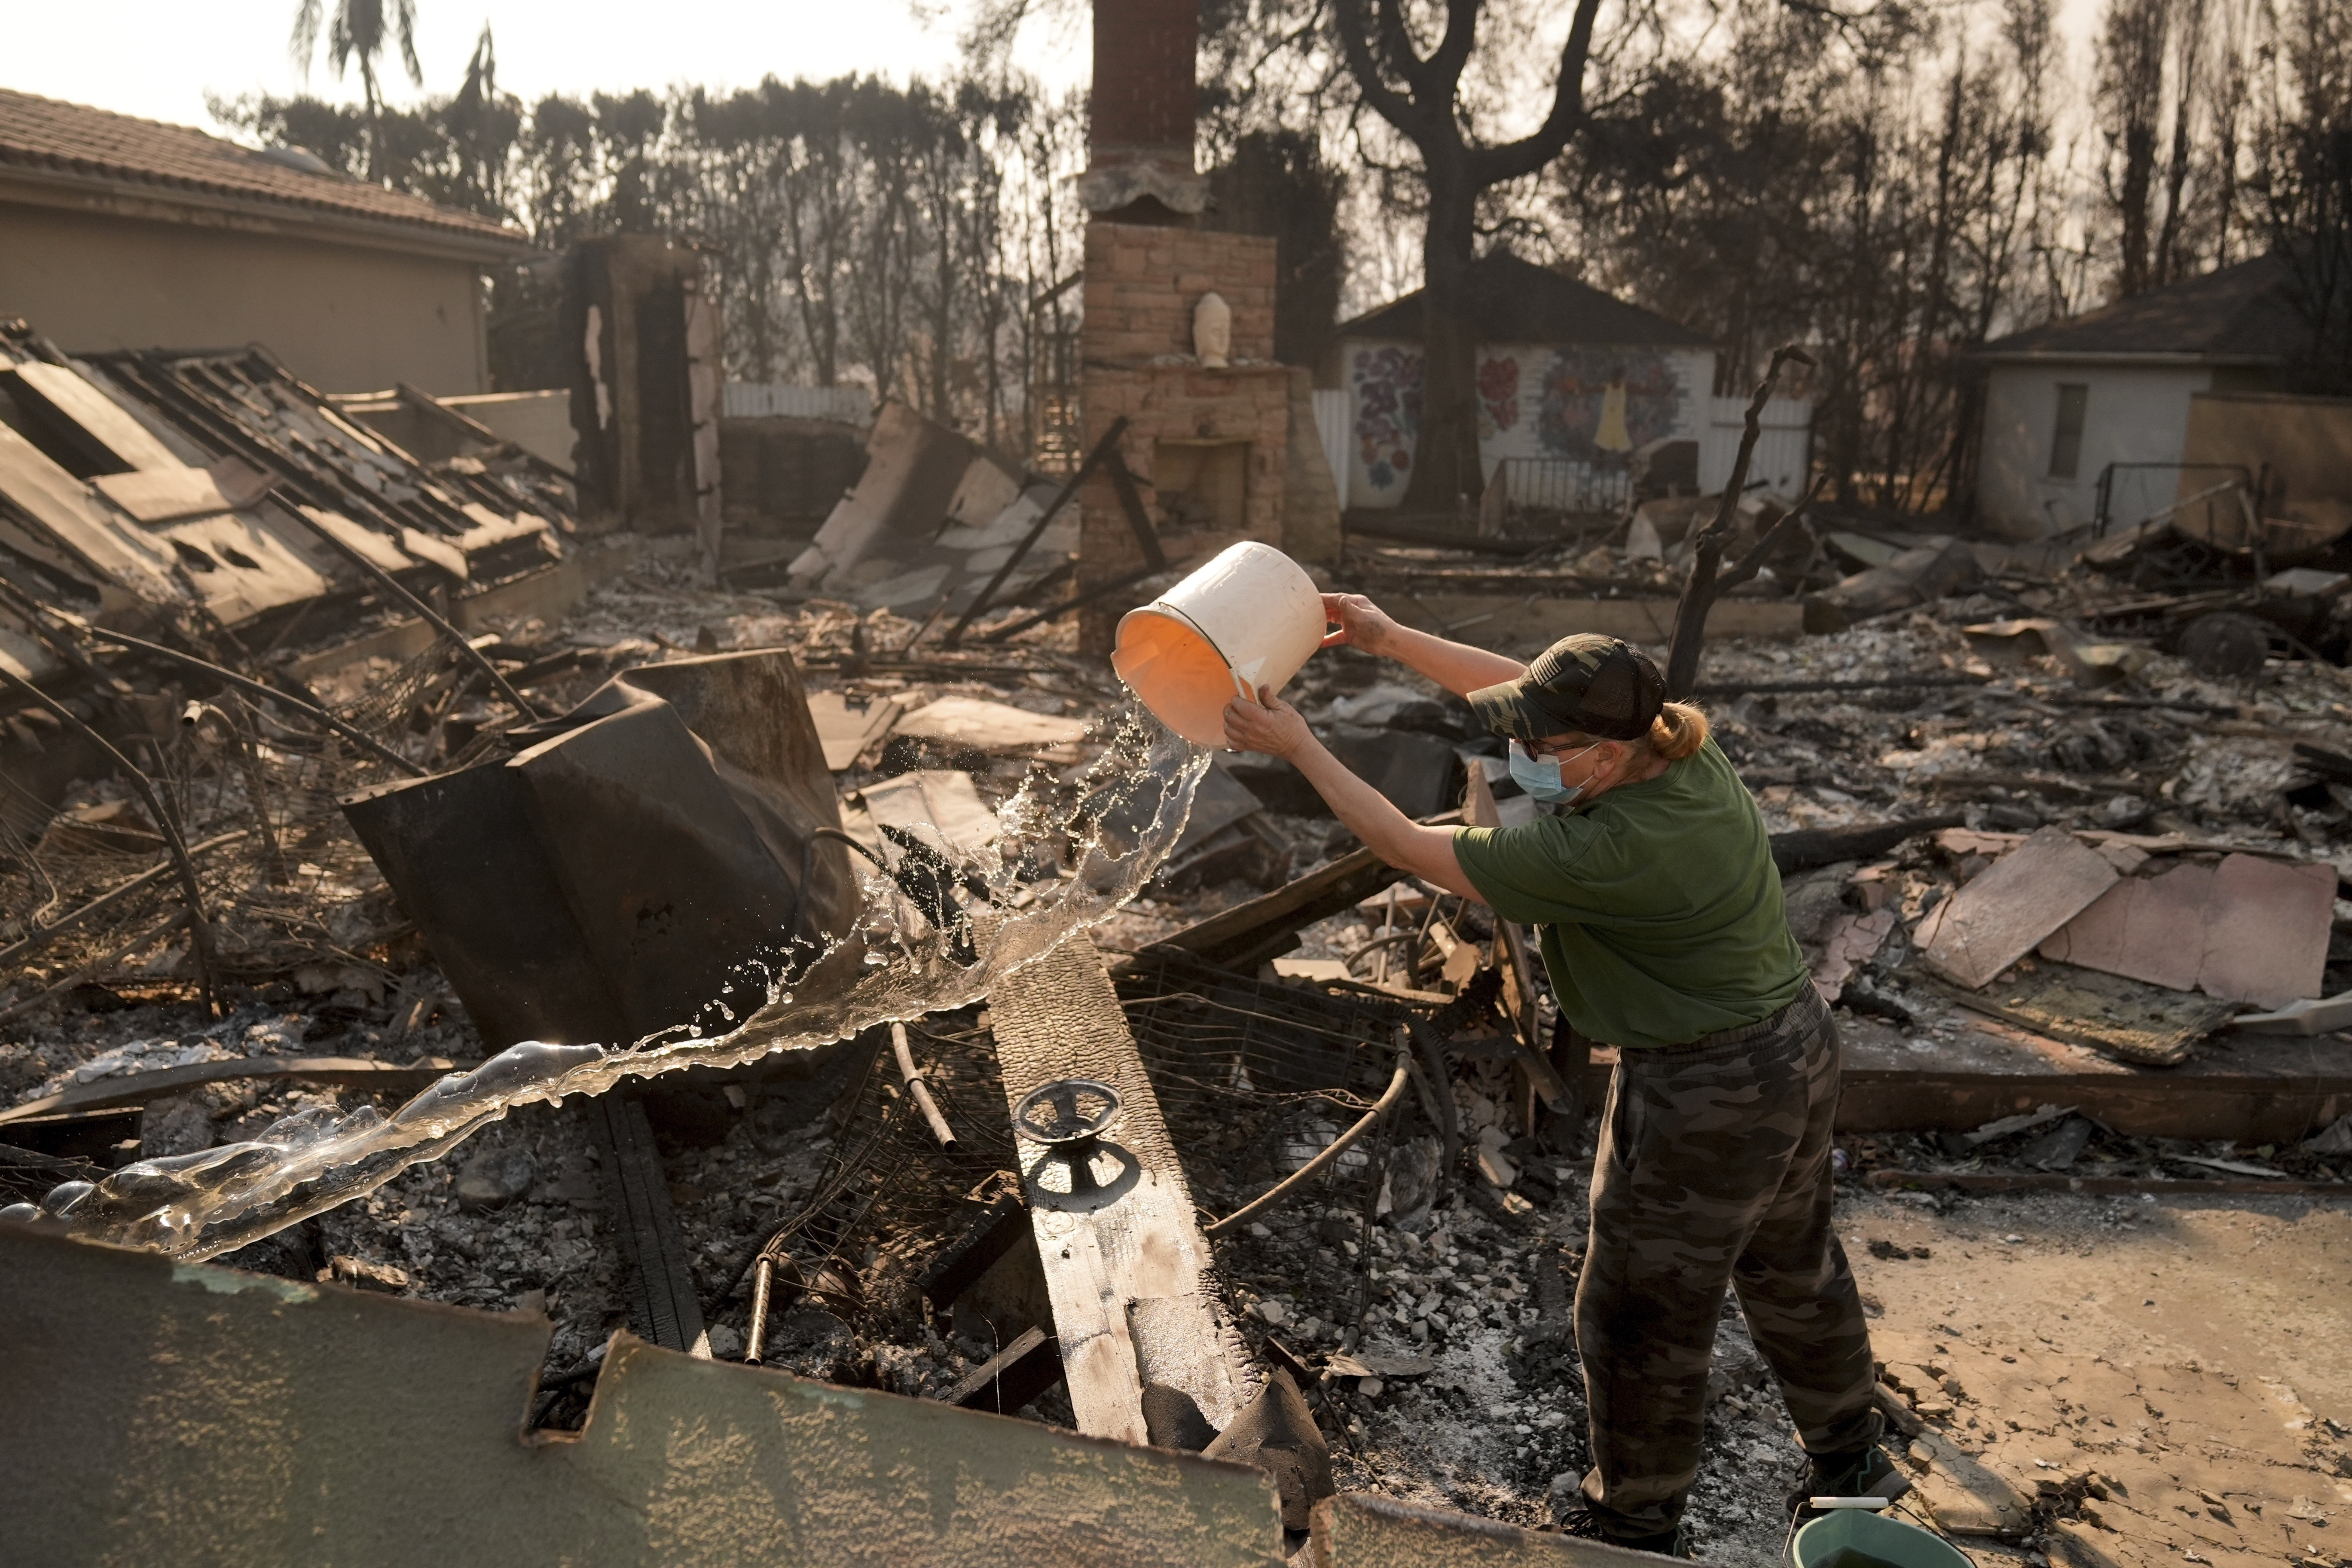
(1365, 1073)
(719, 905)
(669, 968)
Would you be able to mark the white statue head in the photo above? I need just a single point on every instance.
(1212, 330)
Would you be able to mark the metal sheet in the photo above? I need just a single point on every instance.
(616, 876)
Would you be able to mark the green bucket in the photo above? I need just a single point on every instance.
(1857, 1538)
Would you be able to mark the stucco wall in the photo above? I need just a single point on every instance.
(163, 1413)
(2132, 415)
(343, 317)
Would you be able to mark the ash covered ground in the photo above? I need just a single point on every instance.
(1457, 1304)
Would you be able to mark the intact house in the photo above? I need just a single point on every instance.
(117, 233)
(1579, 392)
(2087, 420)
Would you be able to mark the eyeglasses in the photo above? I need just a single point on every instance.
(1558, 751)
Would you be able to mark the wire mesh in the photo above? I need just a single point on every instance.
(889, 1199)
(1254, 1079)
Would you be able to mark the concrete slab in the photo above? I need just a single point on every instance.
(2161, 1381)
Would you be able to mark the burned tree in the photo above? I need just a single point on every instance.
(1421, 96)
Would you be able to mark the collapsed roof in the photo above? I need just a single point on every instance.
(143, 482)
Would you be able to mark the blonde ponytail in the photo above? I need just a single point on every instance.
(1678, 731)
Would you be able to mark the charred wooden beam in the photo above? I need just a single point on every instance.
(1807, 847)
(1265, 927)
(992, 1233)
(1011, 1378)
(657, 1280)
(1125, 1264)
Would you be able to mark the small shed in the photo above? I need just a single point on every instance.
(2088, 419)
(1573, 384)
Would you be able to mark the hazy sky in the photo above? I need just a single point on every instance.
(157, 58)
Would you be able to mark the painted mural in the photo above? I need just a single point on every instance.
(1499, 395)
(1549, 407)
(1597, 404)
(1386, 381)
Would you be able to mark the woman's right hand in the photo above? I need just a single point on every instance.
(1358, 621)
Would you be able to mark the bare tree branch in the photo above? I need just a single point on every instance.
(1492, 165)
(1356, 43)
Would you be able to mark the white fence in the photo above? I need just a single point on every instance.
(1784, 445)
(781, 400)
(1335, 413)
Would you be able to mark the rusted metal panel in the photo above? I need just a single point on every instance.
(184, 1413)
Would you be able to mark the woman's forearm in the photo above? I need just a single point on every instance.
(1458, 667)
(1425, 852)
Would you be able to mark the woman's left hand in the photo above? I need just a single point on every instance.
(1269, 725)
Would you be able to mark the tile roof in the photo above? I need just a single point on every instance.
(1517, 302)
(97, 150)
(2241, 312)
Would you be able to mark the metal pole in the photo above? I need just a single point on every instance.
(1036, 530)
(919, 1088)
(1304, 1173)
(350, 733)
(755, 1341)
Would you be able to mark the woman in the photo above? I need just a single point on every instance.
(1665, 934)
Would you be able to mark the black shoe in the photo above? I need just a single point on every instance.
(1866, 1472)
(1585, 1525)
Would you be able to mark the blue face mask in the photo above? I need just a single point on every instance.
(1540, 776)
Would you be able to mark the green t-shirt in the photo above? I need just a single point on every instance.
(1661, 910)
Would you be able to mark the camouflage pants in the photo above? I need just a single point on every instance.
(1714, 1169)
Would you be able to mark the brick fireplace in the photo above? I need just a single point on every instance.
(1223, 453)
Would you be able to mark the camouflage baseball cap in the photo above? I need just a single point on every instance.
(1583, 685)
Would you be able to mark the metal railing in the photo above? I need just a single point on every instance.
(1564, 484)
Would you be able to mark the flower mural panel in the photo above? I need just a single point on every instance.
(1387, 383)
(1499, 395)
(1600, 404)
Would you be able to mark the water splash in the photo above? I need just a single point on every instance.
(1124, 817)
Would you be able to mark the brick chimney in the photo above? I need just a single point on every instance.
(1140, 141)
